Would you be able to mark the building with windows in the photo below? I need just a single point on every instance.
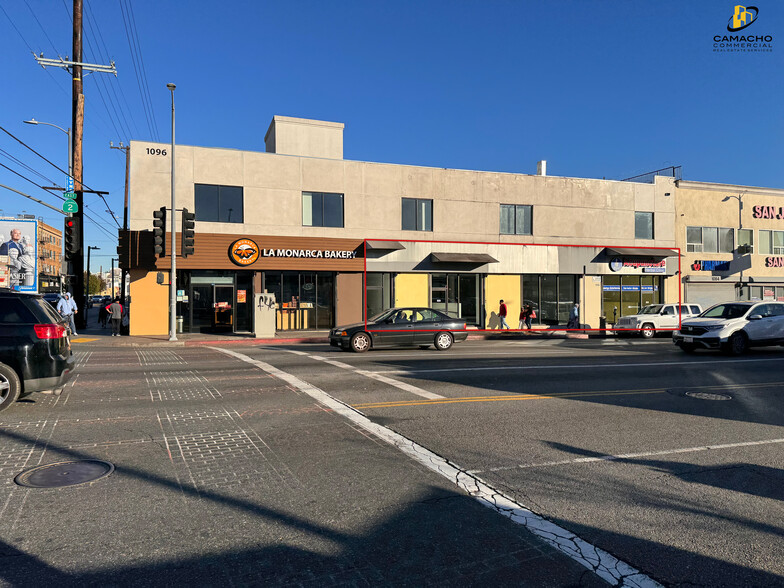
(732, 241)
(50, 258)
(301, 222)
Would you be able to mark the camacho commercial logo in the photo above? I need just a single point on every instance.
(742, 17)
(243, 252)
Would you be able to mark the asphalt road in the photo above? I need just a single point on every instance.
(236, 467)
(672, 463)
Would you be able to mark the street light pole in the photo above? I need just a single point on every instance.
(67, 131)
(173, 273)
(739, 198)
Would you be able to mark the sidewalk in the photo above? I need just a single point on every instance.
(94, 334)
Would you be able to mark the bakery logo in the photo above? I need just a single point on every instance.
(243, 252)
(742, 17)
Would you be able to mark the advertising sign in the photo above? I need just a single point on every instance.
(19, 246)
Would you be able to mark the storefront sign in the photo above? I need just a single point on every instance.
(311, 253)
(768, 212)
(709, 266)
(774, 262)
(648, 266)
(629, 288)
(243, 251)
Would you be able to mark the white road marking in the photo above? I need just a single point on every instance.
(629, 455)
(374, 375)
(582, 366)
(603, 564)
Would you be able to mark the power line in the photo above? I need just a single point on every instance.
(136, 68)
(23, 177)
(41, 26)
(27, 167)
(144, 70)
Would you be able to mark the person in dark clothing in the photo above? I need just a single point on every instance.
(116, 313)
(574, 317)
(502, 315)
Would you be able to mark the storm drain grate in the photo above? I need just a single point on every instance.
(709, 396)
(64, 473)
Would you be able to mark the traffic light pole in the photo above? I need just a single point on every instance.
(173, 273)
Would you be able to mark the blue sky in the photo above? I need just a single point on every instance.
(598, 89)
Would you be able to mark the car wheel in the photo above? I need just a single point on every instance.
(443, 341)
(648, 331)
(737, 344)
(10, 386)
(360, 342)
(688, 347)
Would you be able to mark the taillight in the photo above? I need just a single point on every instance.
(49, 331)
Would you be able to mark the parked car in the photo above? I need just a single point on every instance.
(654, 317)
(95, 300)
(733, 327)
(52, 298)
(401, 327)
(35, 350)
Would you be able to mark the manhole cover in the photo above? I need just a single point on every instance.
(64, 473)
(709, 396)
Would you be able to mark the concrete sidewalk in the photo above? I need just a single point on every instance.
(95, 335)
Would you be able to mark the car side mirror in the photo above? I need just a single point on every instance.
(755, 317)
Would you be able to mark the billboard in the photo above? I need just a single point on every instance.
(19, 254)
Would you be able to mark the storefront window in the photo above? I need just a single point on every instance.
(457, 295)
(625, 295)
(378, 293)
(304, 300)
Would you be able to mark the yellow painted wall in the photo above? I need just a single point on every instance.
(149, 308)
(498, 287)
(411, 290)
(591, 307)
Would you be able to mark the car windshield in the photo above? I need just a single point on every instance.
(652, 309)
(381, 315)
(726, 311)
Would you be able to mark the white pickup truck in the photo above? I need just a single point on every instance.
(654, 317)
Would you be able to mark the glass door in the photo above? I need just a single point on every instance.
(223, 308)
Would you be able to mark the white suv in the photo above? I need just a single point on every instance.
(653, 317)
(733, 327)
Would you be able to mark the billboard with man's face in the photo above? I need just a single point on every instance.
(19, 254)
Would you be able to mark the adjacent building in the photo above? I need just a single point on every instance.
(338, 240)
(50, 258)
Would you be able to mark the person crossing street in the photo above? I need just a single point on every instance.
(116, 312)
(67, 308)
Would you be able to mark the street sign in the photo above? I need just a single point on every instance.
(70, 206)
(69, 183)
(69, 195)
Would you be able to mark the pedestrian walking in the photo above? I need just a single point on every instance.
(116, 313)
(523, 314)
(574, 317)
(502, 316)
(67, 308)
(529, 316)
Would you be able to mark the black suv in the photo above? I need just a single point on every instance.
(35, 351)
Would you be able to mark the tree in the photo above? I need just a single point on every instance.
(96, 284)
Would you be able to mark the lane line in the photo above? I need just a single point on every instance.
(602, 563)
(630, 455)
(579, 366)
(373, 375)
(394, 403)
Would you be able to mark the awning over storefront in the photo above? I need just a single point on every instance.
(477, 258)
(384, 245)
(640, 252)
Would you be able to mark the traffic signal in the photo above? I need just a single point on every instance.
(122, 247)
(71, 237)
(159, 231)
(188, 224)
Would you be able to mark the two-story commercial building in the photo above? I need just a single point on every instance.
(732, 242)
(337, 240)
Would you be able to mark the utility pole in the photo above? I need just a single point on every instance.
(120, 262)
(76, 68)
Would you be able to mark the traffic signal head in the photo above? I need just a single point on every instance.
(159, 231)
(72, 232)
(188, 225)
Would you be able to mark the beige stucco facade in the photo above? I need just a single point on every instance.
(759, 273)
(307, 156)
